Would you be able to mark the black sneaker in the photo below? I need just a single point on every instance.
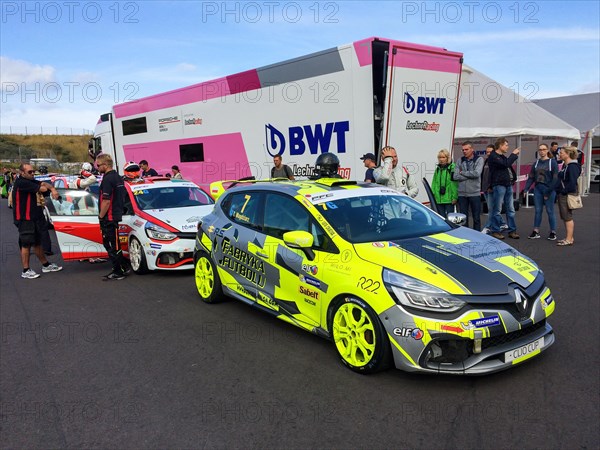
(114, 276)
(552, 236)
(535, 235)
(127, 271)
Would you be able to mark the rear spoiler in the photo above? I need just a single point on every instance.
(217, 188)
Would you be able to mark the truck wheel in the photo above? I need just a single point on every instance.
(359, 336)
(207, 278)
(137, 257)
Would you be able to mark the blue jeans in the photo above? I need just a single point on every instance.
(473, 203)
(539, 203)
(489, 199)
(503, 195)
(445, 208)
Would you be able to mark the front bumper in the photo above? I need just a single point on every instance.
(174, 255)
(480, 341)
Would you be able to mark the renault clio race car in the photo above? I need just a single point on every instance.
(157, 230)
(381, 275)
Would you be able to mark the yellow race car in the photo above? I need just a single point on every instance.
(379, 274)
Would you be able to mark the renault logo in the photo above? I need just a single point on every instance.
(521, 301)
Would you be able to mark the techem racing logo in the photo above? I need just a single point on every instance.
(423, 105)
(317, 138)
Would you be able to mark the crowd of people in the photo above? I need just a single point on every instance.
(460, 186)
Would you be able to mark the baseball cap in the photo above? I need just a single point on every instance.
(370, 156)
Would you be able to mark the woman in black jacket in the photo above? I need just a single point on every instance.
(567, 184)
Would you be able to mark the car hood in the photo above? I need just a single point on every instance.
(184, 219)
(460, 261)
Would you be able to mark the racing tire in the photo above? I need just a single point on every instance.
(359, 337)
(137, 259)
(208, 283)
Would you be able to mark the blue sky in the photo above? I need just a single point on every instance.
(64, 63)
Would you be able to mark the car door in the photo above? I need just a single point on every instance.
(75, 219)
(293, 283)
(239, 268)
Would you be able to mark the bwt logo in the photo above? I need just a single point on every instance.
(423, 105)
(315, 137)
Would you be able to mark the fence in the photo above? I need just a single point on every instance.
(43, 130)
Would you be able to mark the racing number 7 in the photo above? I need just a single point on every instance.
(247, 197)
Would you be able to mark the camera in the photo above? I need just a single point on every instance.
(442, 190)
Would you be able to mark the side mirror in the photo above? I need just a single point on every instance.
(301, 240)
(457, 218)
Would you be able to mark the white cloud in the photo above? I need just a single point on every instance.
(185, 67)
(527, 35)
(19, 71)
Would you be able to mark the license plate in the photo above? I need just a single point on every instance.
(524, 351)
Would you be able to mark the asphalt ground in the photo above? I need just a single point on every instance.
(143, 363)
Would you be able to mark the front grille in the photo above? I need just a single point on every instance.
(181, 235)
(512, 336)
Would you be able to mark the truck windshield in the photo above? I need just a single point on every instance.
(381, 218)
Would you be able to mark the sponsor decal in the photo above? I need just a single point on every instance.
(415, 333)
(309, 292)
(171, 119)
(310, 302)
(481, 323)
(192, 121)
(123, 239)
(422, 126)
(137, 223)
(547, 301)
(163, 124)
(194, 219)
(210, 229)
(268, 300)
(318, 138)
(156, 246)
(378, 244)
(242, 263)
(188, 227)
(314, 198)
(423, 105)
(309, 280)
(313, 270)
(451, 328)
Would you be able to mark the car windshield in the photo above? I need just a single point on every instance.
(381, 218)
(170, 197)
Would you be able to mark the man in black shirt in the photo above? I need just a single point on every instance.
(147, 171)
(112, 192)
(28, 214)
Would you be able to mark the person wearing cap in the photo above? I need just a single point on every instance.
(369, 160)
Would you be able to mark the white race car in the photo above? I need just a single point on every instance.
(158, 228)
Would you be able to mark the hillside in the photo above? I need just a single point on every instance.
(65, 148)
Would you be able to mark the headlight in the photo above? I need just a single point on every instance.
(417, 294)
(157, 232)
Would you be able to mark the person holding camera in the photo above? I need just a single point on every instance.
(502, 177)
(445, 189)
(468, 174)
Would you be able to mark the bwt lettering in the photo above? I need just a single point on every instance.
(315, 137)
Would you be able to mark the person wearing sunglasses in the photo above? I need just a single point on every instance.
(28, 213)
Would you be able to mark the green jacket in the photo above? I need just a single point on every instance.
(443, 177)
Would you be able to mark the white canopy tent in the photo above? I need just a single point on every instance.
(487, 109)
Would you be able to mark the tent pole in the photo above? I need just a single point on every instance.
(587, 152)
(519, 167)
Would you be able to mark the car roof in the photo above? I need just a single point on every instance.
(325, 189)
